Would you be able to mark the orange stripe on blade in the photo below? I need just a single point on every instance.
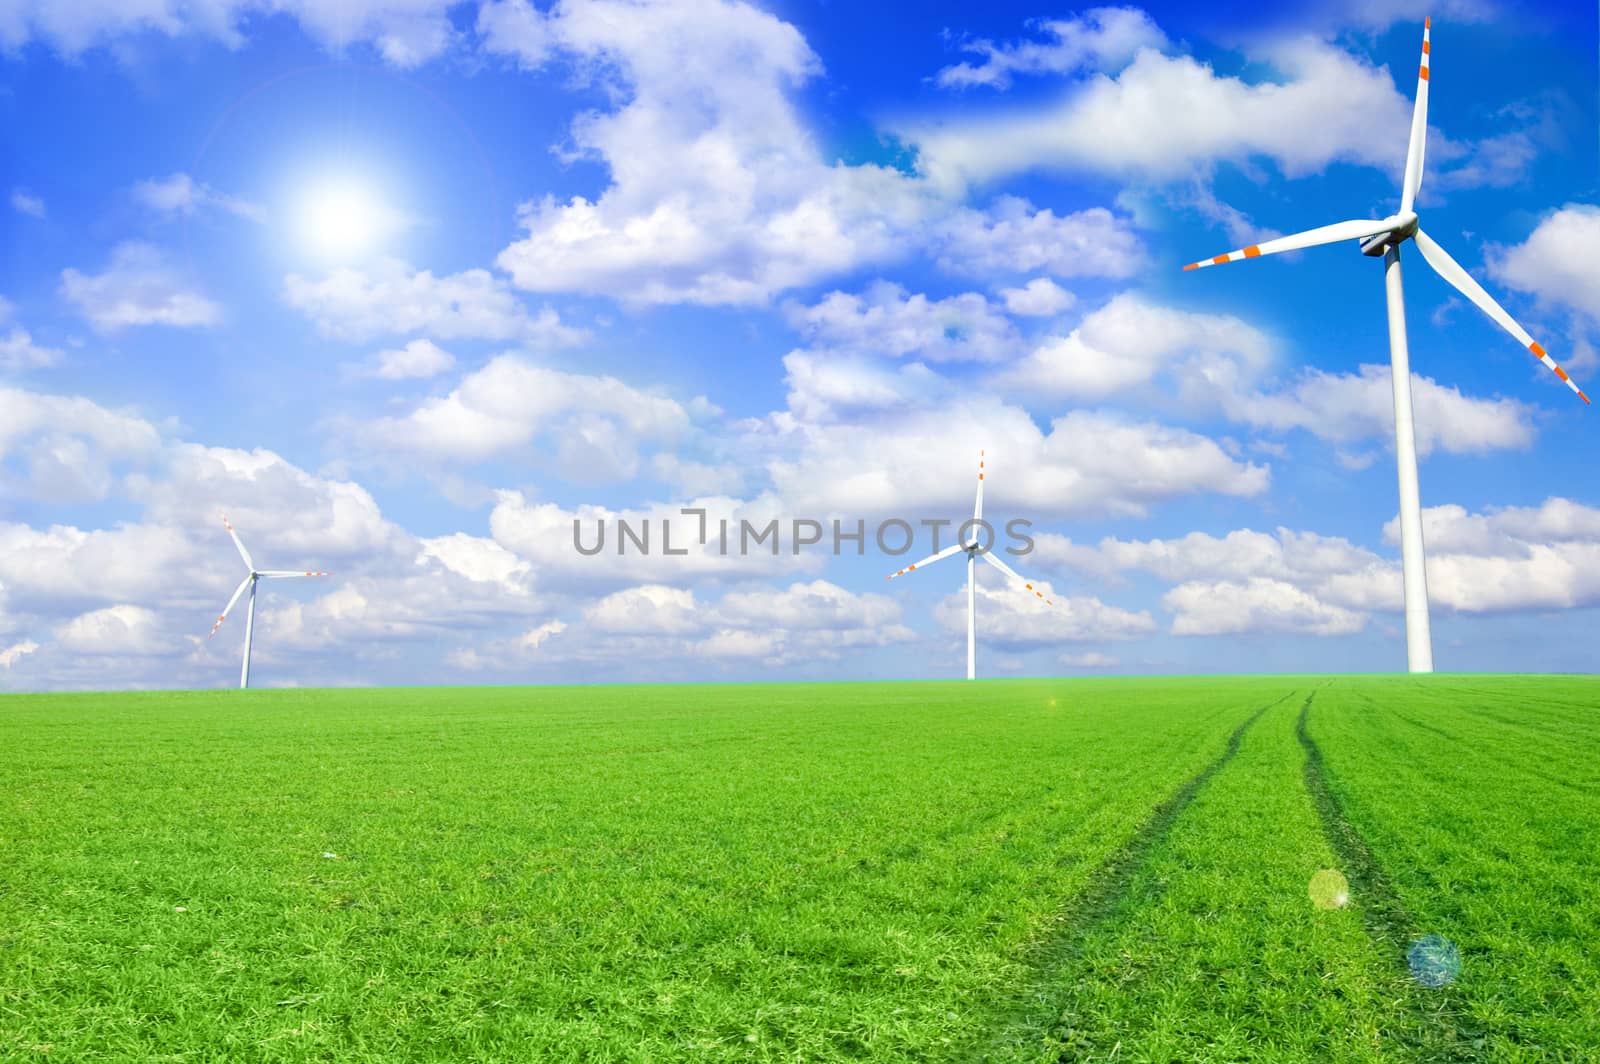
(1561, 373)
(1192, 266)
(1427, 22)
(1425, 48)
(1219, 260)
(1252, 252)
(1424, 74)
(1538, 351)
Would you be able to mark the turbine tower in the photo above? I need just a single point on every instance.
(1384, 238)
(250, 581)
(973, 550)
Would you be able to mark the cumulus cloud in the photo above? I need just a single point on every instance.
(417, 360)
(544, 533)
(1012, 618)
(16, 652)
(760, 211)
(887, 320)
(1011, 237)
(393, 299)
(1500, 560)
(504, 405)
(1345, 407)
(1167, 117)
(1218, 364)
(1126, 343)
(824, 387)
(1039, 298)
(1559, 263)
(67, 448)
(1102, 38)
(115, 630)
(137, 288)
(179, 193)
(404, 32)
(1256, 605)
(915, 461)
(18, 351)
(25, 202)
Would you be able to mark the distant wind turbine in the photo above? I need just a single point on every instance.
(250, 581)
(1384, 238)
(971, 548)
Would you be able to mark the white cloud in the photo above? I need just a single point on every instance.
(825, 387)
(1345, 407)
(919, 462)
(1559, 262)
(16, 652)
(1256, 605)
(115, 630)
(886, 320)
(1012, 618)
(650, 609)
(137, 288)
(1039, 298)
(479, 559)
(760, 211)
(1013, 238)
(404, 32)
(1102, 38)
(392, 299)
(1089, 659)
(1168, 117)
(181, 194)
(25, 202)
(310, 521)
(543, 534)
(814, 605)
(508, 402)
(417, 360)
(19, 352)
(1217, 363)
(1125, 344)
(67, 446)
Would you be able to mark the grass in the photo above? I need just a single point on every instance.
(1019, 870)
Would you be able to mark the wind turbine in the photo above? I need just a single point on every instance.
(973, 551)
(250, 581)
(1384, 238)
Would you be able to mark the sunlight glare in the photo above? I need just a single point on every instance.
(344, 217)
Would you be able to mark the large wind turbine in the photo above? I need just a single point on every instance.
(250, 581)
(1384, 238)
(973, 550)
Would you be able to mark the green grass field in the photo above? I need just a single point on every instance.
(1010, 871)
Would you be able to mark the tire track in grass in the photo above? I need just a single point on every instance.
(1434, 1026)
(1091, 909)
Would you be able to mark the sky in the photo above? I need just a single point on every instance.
(407, 287)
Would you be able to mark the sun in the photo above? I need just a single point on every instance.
(345, 217)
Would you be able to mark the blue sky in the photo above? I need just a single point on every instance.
(405, 286)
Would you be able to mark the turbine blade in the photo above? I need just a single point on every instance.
(285, 572)
(1419, 129)
(1012, 573)
(977, 507)
(237, 543)
(225, 610)
(1327, 234)
(954, 548)
(1452, 272)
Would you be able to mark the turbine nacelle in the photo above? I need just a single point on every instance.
(1404, 228)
